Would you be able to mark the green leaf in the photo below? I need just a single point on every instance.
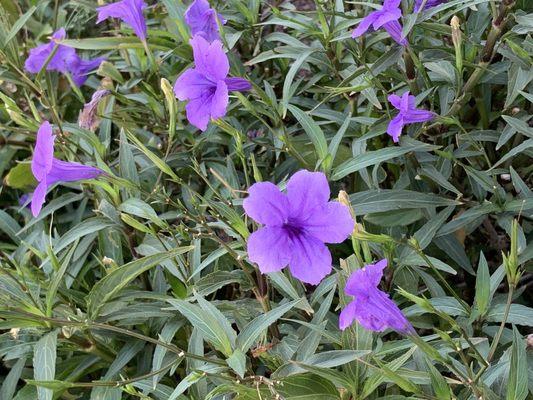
(20, 177)
(313, 131)
(375, 157)
(11, 380)
(237, 362)
(482, 297)
(373, 201)
(253, 330)
(518, 314)
(517, 384)
(44, 363)
(120, 277)
(208, 325)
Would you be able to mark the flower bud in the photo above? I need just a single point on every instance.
(457, 40)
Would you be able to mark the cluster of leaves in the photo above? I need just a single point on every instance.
(139, 286)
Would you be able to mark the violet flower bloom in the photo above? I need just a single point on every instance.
(206, 86)
(49, 170)
(372, 308)
(88, 118)
(387, 18)
(429, 4)
(129, 11)
(64, 60)
(296, 226)
(408, 114)
(203, 20)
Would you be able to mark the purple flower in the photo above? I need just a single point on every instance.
(296, 226)
(203, 20)
(129, 11)
(387, 18)
(64, 60)
(408, 114)
(49, 170)
(88, 118)
(429, 4)
(372, 308)
(206, 86)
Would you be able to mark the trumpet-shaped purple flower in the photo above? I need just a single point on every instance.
(207, 86)
(386, 18)
(408, 114)
(296, 226)
(49, 170)
(429, 4)
(202, 20)
(64, 60)
(372, 308)
(129, 11)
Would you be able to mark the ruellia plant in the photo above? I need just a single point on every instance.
(252, 200)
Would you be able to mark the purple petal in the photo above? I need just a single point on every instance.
(238, 84)
(306, 192)
(334, 224)
(407, 102)
(366, 278)
(395, 100)
(129, 11)
(310, 260)
(38, 198)
(63, 57)
(81, 68)
(395, 127)
(414, 116)
(203, 20)
(347, 315)
(220, 100)
(209, 59)
(198, 112)
(391, 4)
(395, 31)
(43, 153)
(429, 4)
(266, 204)
(66, 171)
(191, 85)
(365, 24)
(377, 312)
(269, 247)
(386, 16)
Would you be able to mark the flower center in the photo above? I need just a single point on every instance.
(292, 229)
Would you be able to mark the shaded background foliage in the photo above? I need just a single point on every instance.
(138, 286)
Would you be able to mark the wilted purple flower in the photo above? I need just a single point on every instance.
(206, 86)
(408, 114)
(429, 3)
(129, 11)
(88, 118)
(64, 60)
(296, 226)
(203, 20)
(49, 170)
(372, 308)
(387, 18)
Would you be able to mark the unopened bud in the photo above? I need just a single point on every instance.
(455, 24)
(345, 199)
